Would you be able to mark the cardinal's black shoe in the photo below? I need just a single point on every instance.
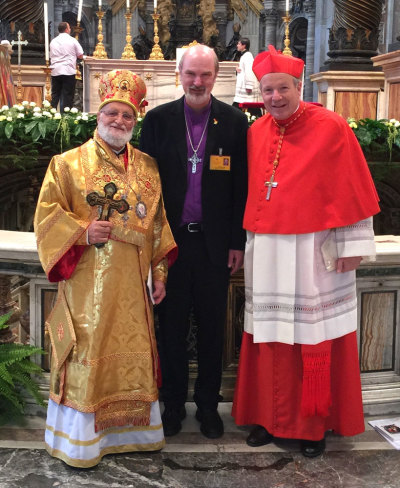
(259, 436)
(312, 448)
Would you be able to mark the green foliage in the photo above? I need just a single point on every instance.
(27, 131)
(379, 139)
(16, 369)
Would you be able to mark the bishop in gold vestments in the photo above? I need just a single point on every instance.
(103, 390)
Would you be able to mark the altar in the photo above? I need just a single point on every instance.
(160, 76)
(378, 292)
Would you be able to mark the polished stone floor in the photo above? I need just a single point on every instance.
(192, 461)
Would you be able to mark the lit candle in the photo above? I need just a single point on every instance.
(99, 4)
(46, 31)
(127, 5)
(155, 4)
(287, 6)
(79, 16)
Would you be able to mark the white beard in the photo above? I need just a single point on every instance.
(197, 99)
(113, 141)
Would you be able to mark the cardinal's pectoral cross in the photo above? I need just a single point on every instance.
(107, 203)
(270, 184)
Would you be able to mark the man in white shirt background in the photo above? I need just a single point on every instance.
(64, 51)
(246, 83)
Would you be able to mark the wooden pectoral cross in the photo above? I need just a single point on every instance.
(107, 203)
(270, 184)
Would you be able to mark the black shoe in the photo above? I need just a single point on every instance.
(211, 424)
(312, 449)
(171, 419)
(259, 437)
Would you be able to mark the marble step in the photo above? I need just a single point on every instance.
(191, 440)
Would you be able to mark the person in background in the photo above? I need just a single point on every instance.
(246, 82)
(199, 143)
(64, 51)
(102, 234)
(309, 221)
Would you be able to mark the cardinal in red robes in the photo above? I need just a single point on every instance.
(308, 218)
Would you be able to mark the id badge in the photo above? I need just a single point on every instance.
(220, 163)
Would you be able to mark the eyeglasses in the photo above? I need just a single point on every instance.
(113, 114)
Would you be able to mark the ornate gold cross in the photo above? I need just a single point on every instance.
(107, 203)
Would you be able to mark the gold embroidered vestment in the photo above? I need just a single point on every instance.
(111, 369)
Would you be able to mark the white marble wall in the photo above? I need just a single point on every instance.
(160, 79)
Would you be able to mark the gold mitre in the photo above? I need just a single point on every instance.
(121, 85)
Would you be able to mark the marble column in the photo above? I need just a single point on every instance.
(309, 10)
(118, 33)
(354, 36)
(271, 17)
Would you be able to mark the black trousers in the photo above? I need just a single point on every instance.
(193, 280)
(63, 90)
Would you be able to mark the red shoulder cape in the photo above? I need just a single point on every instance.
(323, 178)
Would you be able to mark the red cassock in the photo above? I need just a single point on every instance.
(323, 183)
(269, 390)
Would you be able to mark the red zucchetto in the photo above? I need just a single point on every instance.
(273, 61)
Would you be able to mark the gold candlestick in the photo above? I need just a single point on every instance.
(20, 95)
(47, 70)
(78, 29)
(100, 52)
(156, 52)
(287, 51)
(128, 53)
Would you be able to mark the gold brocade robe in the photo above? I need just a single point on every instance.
(111, 368)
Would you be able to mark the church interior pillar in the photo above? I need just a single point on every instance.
(309, 10)
(271, 22)
(354, 36)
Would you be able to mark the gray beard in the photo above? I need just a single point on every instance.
(116, 142)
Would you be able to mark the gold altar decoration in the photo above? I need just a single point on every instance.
(156, 52)
(206, 10)
(128, 52)
(19, 43)
(47, 71)
(78, 29)
(20, 95)
(100, 52)
(287, 51)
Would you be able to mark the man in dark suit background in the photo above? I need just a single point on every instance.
(199, 143)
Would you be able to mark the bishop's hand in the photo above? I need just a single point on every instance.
(99, 231)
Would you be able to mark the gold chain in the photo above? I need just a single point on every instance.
(282, 128)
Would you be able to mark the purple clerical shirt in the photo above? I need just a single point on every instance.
(196, 123)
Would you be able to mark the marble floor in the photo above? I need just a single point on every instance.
(191, 461)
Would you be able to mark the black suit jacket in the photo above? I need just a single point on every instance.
(223, 192)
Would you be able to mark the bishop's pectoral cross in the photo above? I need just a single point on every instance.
(107, 203)
(194, 160)
(270, 184)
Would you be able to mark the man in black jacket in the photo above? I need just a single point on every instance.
(200, 146)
